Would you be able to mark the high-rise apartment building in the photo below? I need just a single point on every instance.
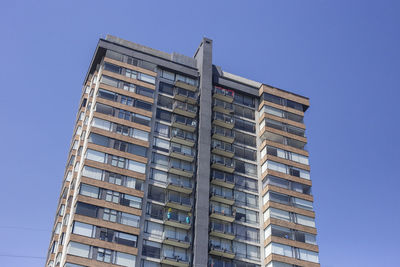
(175, 162)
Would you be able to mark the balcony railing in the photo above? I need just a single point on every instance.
(222, 106)
(222, 228)
(223, 120)
(183, 94)
(223, 117)
(223, 161)
(223, 94)
(222, 178)
(222, 194)
(184, 123)
(185, 183)
(185, 109)
(179, 199)
(180, 150)
(222, 146)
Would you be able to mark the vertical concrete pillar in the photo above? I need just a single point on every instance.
(203, 57)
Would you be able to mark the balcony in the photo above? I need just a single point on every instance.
(179, 186)
(184, 123)
(218, 250)
(223, 94)
(222, 163)
(184, 109)
(223, 198)
(222, 148)
(175, 261)
(222, 215)
(185, 95)
(223, 134)
(222, 106)
(181, 153)
(223, 120)
(181, 137)
(221, 230)
(178, 220)
(180, 170)
(186, 86)
(174, 240)
(222, 179)
(179, 202)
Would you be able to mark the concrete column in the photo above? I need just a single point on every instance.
(203, 57)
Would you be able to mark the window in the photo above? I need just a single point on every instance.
(246, 199)
(137, 166)
(104, 109)
(246, 250)
(160, 159)
(155, 211)
(156, 193)
(162, 129)
(126, 239)
(245, 153)
(130, 219)
(168, 75)
(245, 139)
(246, 168)
(83, 229)
(166, 88)
(279, 167)
(244, 100)
(244, 112)
(307, 255)
(89, 191)
(110, 215)
(245, 215)
(86, 209)
(112, 68)
(139, 134)
(151, 249)
(246, 183)
(159, 176)
(165, 102)
(125, 259)
(104, 254)
(161, 144)
(78, 249)
(154, 229)
(246, 233)
(163, 115)
(279, 249)
(95, 155)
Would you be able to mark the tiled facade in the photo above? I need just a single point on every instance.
(175, 162)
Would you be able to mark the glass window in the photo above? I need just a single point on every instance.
(137, 166)
(139, 134)
(163, 115)
(99, 139)
(101, 124)
(308, 255)
(95, 155)
(78, 249)
(86, 209)
(109, 81)
(162, 129)
(89, 191)
(124, 259)
(83, 229)
(161, 144)
(154, 229)
(166, 88)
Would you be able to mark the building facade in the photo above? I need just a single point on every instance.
(175, 162)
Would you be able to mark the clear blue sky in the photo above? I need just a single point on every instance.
(343, 54)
